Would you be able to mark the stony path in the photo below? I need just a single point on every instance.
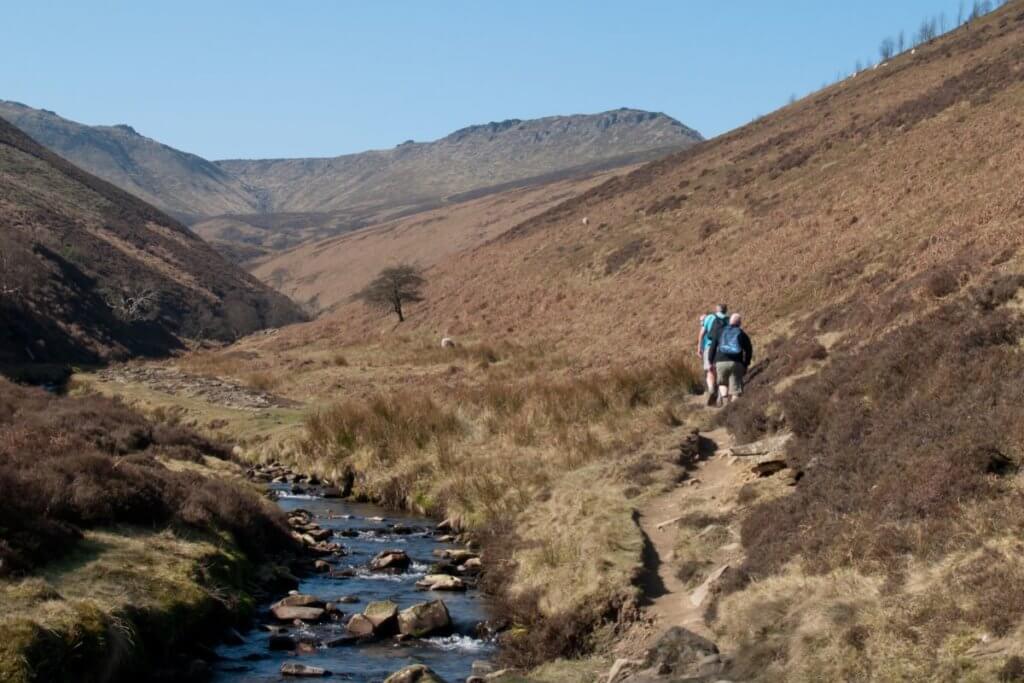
(718, 479)
(173, 381)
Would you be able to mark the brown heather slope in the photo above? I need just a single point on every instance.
(73, 245)
(872, 235)
(327, 273)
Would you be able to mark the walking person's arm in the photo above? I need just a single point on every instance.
(748, 350)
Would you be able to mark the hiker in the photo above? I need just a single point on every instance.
(732, 352)
(710, 326)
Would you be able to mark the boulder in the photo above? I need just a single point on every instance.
(380, 618)
(321, 566)
(391, 560)
(320, 534)
(473, 565)
(680, 653)
(416, 673)
(299, 600)
(347, 600)
(293, 669)
(424, 619)
(459, 556)
(359, 626)
(441, 582)
(289, 613)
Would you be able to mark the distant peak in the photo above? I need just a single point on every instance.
(126, 128)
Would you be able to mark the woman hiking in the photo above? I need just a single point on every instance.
(711, 326)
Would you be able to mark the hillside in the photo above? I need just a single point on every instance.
(326, 273)
(870, 238)
(250, 207)
(469, 159)
(89, 273)
(180, 183)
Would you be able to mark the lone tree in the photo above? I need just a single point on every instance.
(393, 288)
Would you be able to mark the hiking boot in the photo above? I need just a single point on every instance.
(712, 398)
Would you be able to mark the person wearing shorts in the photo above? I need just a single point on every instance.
(732, 353)
(710, 325)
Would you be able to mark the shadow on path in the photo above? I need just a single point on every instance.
(649, 581)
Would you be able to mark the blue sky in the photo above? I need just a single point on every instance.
(225, 78)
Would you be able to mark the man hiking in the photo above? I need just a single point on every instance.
(710, 326)
(731, 352)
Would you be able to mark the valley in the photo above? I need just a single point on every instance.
(539, 407)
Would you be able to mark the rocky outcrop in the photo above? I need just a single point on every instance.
(302, 607)
(303, 670)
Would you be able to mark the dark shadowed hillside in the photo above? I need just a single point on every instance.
(88, 272)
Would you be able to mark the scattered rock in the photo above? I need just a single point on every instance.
(288, 613)
(459, 556)
(473, 565)
(299, 600)
(321, 566)
(678, 652)
(348, 599)
(380, 618)
(293, 669)
(424, 619)
(394, 560)
(441, 582)
(698, 596)
(416, 673)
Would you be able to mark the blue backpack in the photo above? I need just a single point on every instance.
(729, 341)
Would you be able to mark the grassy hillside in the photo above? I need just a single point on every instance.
(328, 272)
(88, 272)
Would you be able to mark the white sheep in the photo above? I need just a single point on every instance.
(447, 343)
(586, 220)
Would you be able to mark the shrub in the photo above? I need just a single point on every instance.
(68, 464)
(895, 439)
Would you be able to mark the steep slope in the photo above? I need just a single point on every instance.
(88, 272)
(326, 273)
(184, 184)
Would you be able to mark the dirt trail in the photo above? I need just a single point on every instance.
(718, 479)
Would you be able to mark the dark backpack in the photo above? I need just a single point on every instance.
(729, 341)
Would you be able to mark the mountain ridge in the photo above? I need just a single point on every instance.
(336, 194)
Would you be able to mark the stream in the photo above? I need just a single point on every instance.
(450, 656)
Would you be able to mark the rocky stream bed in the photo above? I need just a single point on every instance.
(388, 591)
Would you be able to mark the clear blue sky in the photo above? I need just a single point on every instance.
(280, 78)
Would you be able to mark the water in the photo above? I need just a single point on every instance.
(451, 656)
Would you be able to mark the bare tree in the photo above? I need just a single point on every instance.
(886, 49)
(960, 14)
(901, 43)
(133, 303)
(393, 288)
